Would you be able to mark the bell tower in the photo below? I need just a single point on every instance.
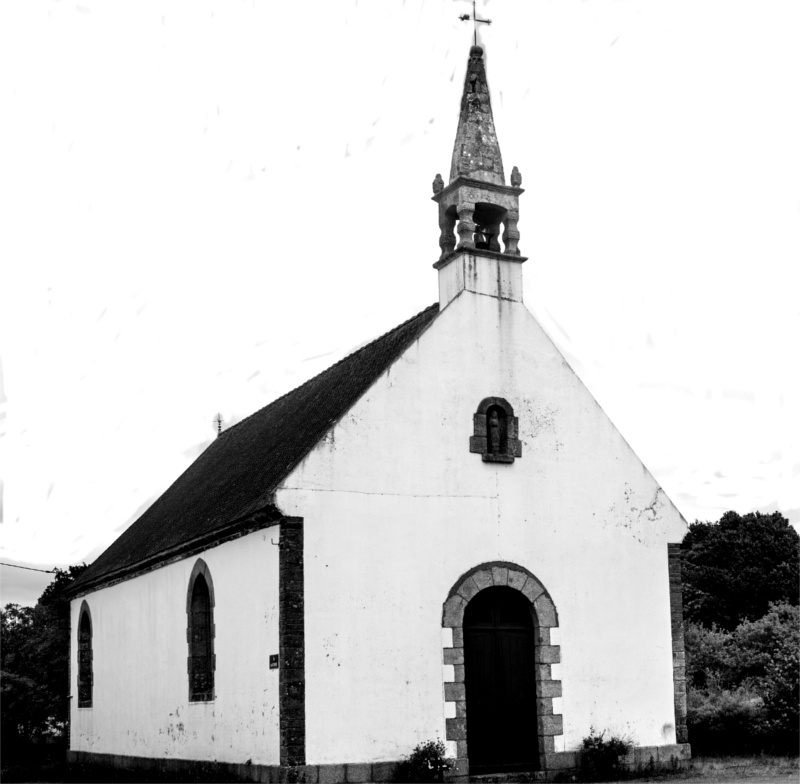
(477, 205)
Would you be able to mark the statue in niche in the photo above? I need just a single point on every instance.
(494, 433)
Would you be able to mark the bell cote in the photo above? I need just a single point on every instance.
(478, 212)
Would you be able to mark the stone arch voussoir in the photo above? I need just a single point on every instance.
(200, 567)
(545, 619)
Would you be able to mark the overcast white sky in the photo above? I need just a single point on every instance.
(205, 204)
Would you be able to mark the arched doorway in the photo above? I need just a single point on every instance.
(500, 680)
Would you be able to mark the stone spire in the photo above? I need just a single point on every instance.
(476, 152)
(478, 212)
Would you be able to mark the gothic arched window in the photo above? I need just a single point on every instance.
(85, 657)
(495, 431)
(200, 634)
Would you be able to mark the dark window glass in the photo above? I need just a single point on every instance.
(85, 661)
(201, 653)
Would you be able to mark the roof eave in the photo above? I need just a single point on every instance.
(264, 518)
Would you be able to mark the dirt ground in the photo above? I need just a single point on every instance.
(738, 770)
(747, 770)
(784, 777)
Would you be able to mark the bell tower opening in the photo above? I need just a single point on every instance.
(488, 218)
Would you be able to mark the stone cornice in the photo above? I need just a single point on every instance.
(472, 183)
(489, 254)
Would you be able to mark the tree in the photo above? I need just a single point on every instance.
(734, 569)
(24, 700)
(35, 666)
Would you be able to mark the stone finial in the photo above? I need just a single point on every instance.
(438, 184)
(476, 152)
(516, 177)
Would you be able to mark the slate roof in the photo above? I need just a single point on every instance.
(234, 479)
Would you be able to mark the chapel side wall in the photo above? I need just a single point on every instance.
(383, 548)
(141, 689)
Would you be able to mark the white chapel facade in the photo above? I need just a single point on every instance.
(441, 536)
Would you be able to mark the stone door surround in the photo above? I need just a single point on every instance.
(545, 618)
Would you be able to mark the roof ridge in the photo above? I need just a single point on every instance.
(331, 367)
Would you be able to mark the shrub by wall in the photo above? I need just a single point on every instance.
(601, 756)
(744, 685)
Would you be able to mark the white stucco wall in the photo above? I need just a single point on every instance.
(140, 695)
(396, 508)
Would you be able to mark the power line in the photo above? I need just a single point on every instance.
(30, 568)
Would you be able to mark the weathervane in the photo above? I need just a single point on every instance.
(467, 17)
(218, 421)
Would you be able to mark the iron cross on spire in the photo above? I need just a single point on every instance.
(467, 17)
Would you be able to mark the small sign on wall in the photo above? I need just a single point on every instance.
(273, 661)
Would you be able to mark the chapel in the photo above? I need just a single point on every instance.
(440, 537)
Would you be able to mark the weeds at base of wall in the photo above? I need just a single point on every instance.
(426, 763)
(601, 757)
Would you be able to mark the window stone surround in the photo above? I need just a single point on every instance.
(200, 568)
(292, 644)
(85, 667)
(545, 618)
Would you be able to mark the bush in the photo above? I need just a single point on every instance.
(425, 763)
(725, 721)
(743, 687)
(773, 672)
(601, 757)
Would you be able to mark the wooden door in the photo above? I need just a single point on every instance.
(502, 732)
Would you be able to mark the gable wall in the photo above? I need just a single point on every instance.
(396, 508)
(141, 688)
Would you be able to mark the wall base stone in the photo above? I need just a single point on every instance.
(556, 766)
(240, 772)
(561, 765)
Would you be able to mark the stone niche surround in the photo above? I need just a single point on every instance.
(545, 618)
(479, 440)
